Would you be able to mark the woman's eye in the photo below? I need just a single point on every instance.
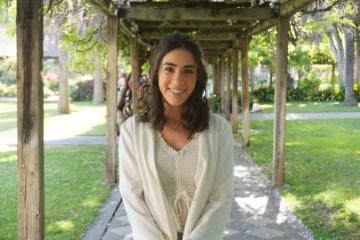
(168, 69)
(189, 71)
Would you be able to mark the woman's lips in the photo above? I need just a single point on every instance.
(176, 91)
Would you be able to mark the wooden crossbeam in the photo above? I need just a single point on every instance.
(106, 6)
(213, 36)
(238, 25)
(199, 14)
(195, 4)
(215, 45)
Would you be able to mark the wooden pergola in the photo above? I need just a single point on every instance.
(223, 29)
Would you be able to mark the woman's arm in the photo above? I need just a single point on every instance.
(217, 210)
(142, 223)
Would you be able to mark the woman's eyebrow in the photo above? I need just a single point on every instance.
(170, 63)
(174, 65)
(189, 66)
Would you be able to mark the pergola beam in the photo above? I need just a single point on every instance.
(211, 36)
(238, 25)
(106, 6)
(215, 45)
(194, 14)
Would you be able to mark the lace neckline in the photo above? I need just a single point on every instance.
(164, 143)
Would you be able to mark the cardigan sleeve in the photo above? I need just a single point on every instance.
(131, 188)
(217, 210)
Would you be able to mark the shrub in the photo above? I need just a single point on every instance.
(263, 94)
(215, 102)
(7, 90)
(82, 91)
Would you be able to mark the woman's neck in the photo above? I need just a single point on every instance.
(171, 113)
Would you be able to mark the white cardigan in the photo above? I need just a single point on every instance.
(142, 194)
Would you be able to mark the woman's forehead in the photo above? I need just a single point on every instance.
(178, 57)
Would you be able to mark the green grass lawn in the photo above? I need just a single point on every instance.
(84, 119)
(300, 107)
(74, 191)
(322, 172)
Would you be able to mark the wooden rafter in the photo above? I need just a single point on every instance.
(194, 14)
(212, 36)
(230, 25)
(216, 45)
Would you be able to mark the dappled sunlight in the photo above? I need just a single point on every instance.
(353, 205)
(61, 226)
(90, 202)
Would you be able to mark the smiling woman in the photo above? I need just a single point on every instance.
(175, 180)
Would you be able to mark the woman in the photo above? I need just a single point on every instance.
(176, 158)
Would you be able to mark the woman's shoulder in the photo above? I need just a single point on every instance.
(217, 121)
(133, 123)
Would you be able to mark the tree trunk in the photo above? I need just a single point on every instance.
(357, 63)
(338, 51)
(349, 67)
(98, 82)
(63, 104)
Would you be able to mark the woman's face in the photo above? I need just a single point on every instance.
(177, 76)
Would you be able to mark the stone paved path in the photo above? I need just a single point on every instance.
(258, 212)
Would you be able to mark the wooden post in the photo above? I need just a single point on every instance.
(30, 120)
(222, 84)
(234, 112)
(245, 93)
(135, 72)
(113, 23)
(228, 85)
(280, 102)
(217, 75)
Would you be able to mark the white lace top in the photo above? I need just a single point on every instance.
(176, 171)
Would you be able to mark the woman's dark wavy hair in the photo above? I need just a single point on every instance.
(195, 115)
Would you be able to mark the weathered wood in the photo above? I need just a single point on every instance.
(211, 36)
(228, 85)
(105, 6)
(280, 102)
(215, 45)
(245, 93)
(234, 112)
(113, 25)
(222, 85)
(63, 104)
(185, 25)
(216, 76)
(30, 120)
(135, 72)
(144, 13)
(217, 52)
